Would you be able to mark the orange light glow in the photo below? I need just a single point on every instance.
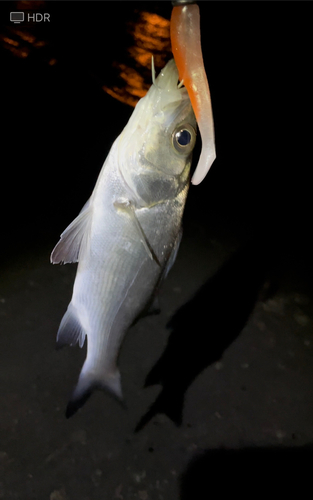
(156, 25)
(121, 95)
(24, 35)
(130, 76)
(10, 41)
(134, 89)
(19, 52)
(133, 79)
(152, 32)
(40, 43)
(151, 35)
(20, 43)
(141, 56)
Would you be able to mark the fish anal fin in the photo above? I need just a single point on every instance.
(70, 330)
(126, 206)
(74, 240)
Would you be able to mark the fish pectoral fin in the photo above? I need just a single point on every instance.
(127, 206)
(74, 240)
(70, 330)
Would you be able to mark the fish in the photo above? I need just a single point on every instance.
(126, 237)
(187, 52)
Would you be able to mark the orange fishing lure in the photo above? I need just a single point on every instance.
(186, 48)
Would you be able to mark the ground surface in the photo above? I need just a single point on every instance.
(239, 355)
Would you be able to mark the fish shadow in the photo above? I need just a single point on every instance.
(204, 327)
(283, 471)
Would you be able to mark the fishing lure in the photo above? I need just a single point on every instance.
(186, 48)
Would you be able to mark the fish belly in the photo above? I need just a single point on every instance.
(116, 279)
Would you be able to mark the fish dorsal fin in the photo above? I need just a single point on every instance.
(74, 240)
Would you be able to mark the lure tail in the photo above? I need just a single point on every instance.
(186, 48)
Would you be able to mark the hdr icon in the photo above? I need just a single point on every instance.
(38, 17)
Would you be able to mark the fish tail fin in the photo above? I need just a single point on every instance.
(80, 395)
(88, 382)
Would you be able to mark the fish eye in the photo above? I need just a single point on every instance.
(184, 139)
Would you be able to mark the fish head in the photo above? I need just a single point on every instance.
(155, 148)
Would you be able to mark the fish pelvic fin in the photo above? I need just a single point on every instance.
(70, 330)
(88, 382)
(74, 240)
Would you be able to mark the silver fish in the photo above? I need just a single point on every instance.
(126, 237)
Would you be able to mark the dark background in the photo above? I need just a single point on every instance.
(58, 123)
(244, 270)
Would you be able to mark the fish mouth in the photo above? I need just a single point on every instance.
(175, 99)
(186, 47)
